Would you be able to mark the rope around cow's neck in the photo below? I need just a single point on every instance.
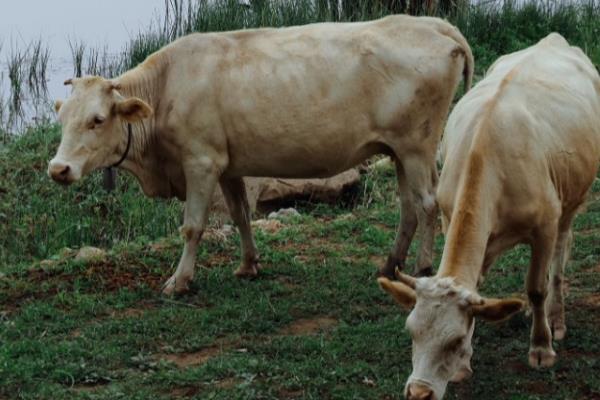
(124, 156)
(109, 176)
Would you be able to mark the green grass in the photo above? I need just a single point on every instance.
(100, 330)
(38, 218)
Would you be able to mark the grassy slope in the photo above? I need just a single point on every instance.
(101, 330)
(38, 218)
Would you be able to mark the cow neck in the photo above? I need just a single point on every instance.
(146, 83)
(470, 225)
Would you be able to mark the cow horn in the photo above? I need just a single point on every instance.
(406, 279)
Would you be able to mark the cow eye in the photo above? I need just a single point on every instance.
(98, 120)
(453, 345)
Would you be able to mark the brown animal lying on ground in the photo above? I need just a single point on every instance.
(520, 152)
(297, 102)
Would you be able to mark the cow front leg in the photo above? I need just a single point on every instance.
(541, 353)
(201, 179)
(555, 306)
(234, 191)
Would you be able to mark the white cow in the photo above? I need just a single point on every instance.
(297, 102)
(520, 152)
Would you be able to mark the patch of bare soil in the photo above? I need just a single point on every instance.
(268, 225)
(309, 326)
(186, 360)
(75, 333)
(538, 387)
(218, 260)
(184, 391)
(105, 274)
(128, 312)
(592, 300)
(518, 366)
(287, 282)
(377, 260)
(87, 388)
(290, 394)
(228, 383)
(595, 269)
(91, 387)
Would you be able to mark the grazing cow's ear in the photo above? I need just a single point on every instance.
(497, 309)
(133, 109)
(403, 294)
(57, 105)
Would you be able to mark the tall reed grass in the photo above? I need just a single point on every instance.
(27, 78)
(492, 28)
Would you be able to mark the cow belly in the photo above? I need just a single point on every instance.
(301, 160)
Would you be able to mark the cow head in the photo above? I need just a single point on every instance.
(92, 127)
(441, 325)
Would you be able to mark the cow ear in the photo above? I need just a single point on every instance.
(133, 109)
(57, 105)
(404, 295)
(497, 309)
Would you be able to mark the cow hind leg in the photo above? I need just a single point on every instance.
(427, 215)
(421, 175)
(406, 229)
(541, 353)
(234, 191)
(201, 181)
(555, 302)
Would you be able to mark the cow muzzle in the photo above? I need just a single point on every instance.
(61, 172)
(416, 391)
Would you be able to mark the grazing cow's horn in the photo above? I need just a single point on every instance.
(473, 299)
(406, 279)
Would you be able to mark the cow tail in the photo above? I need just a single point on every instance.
(465, 49)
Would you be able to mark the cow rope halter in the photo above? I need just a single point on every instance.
(109, 176)
(124, 156)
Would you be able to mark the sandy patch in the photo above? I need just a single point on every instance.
(309, 326)
(186, 360)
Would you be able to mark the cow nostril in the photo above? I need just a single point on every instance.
(64, 171)
(419, 392)
(60, 172)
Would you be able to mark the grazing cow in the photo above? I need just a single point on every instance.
(295, 102)
(520, 152)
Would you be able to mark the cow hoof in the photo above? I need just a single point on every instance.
(175, 286)
(424, 272)
(248, 271)
(559, 330)
(382, 273)
(541, 357)
(389, 269)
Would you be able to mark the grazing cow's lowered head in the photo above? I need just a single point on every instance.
(441, 325)
(93, 134)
